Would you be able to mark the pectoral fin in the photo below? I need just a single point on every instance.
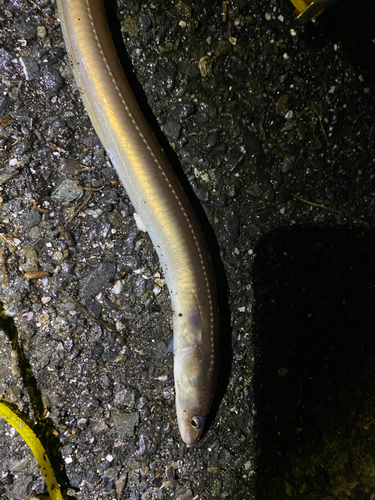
(195, 321)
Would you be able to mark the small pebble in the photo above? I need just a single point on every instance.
(30, 68)
(205, 66)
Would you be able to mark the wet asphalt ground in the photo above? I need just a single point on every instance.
(270, 128)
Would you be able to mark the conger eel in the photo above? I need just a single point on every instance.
(160, 202)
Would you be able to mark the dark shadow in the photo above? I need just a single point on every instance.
(213, 247)
(352, 25)
(315, 368)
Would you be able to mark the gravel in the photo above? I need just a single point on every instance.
(271, 132)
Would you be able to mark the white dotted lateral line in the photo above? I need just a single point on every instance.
(212, 361)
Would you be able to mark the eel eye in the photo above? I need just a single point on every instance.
(197, 423)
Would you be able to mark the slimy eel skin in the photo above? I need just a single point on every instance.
(160, 202)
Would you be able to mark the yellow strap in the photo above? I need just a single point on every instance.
(300, 5)
(36, 447)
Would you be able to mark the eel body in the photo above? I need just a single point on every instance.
(160, 202)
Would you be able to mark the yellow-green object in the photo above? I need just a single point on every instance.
(300, 5)
(307, 9)
(36, 447)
